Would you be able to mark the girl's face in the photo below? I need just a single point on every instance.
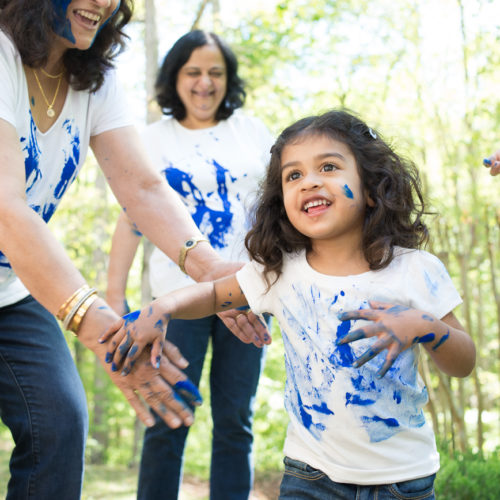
(82, 20)
(322, 190)
(201, 86)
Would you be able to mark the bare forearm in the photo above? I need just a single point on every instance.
(123, 249)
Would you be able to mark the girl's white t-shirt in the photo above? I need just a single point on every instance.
(345, 421)
(216, 172)
(52, 159)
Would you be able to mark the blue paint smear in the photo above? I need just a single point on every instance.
(33, 173)
(356, 399)
(443, 339)
(348, 192)
(218, 222)
(343, 354)
(323, 408)
(32, 156)
(397, 397)
(62, 25)
(188, 391)
(131, 317)
(432, 285)
(426, 338)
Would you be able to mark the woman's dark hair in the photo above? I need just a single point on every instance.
(29, 24)
(177, 56)
(391, 181)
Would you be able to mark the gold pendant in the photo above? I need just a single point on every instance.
(50, 113)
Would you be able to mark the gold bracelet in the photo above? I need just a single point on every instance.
(80, 313)
(71, 301)
(69, 317)
(188, 245)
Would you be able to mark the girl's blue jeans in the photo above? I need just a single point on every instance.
(234, 375)
(42, 402)
(302, 482)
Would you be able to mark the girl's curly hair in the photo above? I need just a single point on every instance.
(30, 26)
(392, 182)
(166, 83)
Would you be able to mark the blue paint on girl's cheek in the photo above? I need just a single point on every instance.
(443, 339)
(427, 317)
(348, 192)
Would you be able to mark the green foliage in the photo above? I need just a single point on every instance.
(468, 476)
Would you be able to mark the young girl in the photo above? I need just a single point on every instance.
(335, 243)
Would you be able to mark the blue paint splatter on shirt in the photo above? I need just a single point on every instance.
(214, 223)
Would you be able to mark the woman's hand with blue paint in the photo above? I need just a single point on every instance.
(493, 163)
(133, 333)
(397, 328)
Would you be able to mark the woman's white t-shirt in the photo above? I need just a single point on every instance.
(216, 172)
(52, 159)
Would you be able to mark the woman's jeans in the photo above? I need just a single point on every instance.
(234, 375)
(42, 402)
(302, 482)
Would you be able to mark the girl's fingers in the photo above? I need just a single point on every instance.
(133, 354)
(375, 304)
(121, 351)
(259, 327)
(111, 351)
(368, 314)
(392, 354)
(156, 350)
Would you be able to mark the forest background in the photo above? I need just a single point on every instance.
(425, 73)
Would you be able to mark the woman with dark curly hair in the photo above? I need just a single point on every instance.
(214, 156)
(58, 95)
(335, 242)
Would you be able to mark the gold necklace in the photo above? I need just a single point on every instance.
(50, 105)
(52, 76)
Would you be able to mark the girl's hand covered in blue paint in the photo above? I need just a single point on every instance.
(133, 333)
(397, 328)
(493, 163)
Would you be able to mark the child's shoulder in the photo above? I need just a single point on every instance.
(413, 257)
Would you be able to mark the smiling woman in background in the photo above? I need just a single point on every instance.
(213, 155)
(58, 95)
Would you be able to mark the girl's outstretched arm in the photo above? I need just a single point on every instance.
(131, 334)
(399, 327)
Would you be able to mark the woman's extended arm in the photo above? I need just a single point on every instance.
(123, 249)
(159, 213)
(47, 272)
